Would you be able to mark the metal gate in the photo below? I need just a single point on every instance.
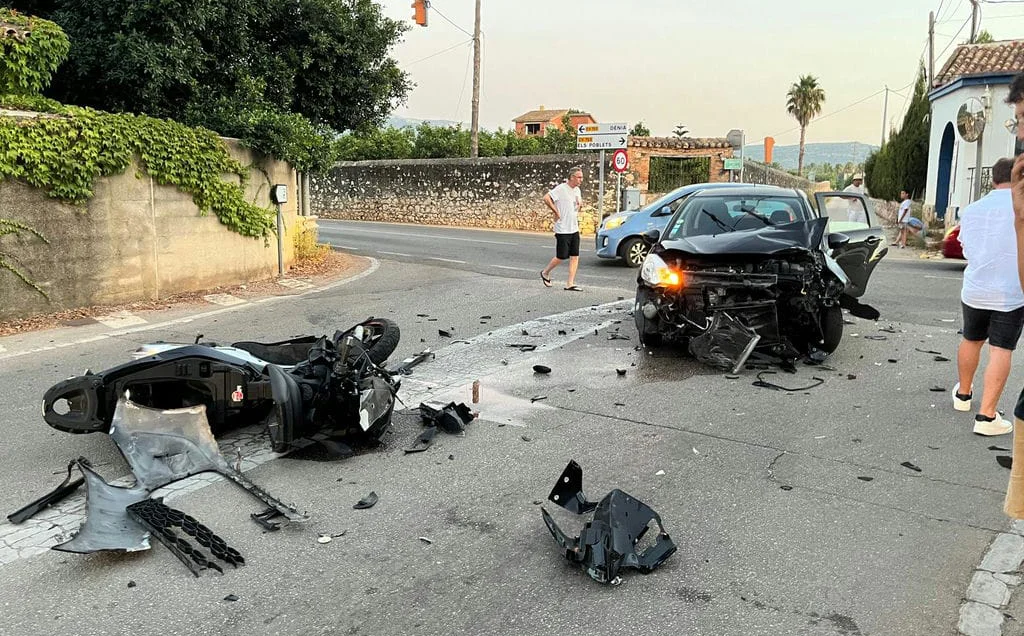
(669, 173)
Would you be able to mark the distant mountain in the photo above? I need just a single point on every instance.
(833, 153)
(404, 122)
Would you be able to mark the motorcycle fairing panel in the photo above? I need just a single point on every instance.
(107, 524)
(607, 543)
(167, 445)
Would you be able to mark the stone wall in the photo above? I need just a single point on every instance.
(490, 192)
(134, 240)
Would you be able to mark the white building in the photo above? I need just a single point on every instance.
(974, 70)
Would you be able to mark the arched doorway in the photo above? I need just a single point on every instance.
(945, 171)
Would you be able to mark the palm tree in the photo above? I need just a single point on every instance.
(805, 99)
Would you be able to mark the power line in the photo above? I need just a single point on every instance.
(953, 12)
(438, 12)
(454, 46)
(465, 75)
(964, 25)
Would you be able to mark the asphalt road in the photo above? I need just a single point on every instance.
(904, 286)
(791, 510)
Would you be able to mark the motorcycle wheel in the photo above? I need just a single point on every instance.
(380, 337)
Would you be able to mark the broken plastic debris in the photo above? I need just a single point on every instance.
(426, 540)
(910, 466)
(525, 438)
(999, 448)
(451, 418)
(1006, 461)
(538, 398)
(324, 538)
(866, 478)
(761, 382)
(608, 542)
(620, 371)
(941, 359)
(851, 376)
(786, 488)
(540, 368)
(933, 353)
(423, 442)
(524, 347)
(231, 597)
(879, 337)
(660, 473)
(562, 332)
(617, 336)
(132, 583)
(443, 333)
(366, 502)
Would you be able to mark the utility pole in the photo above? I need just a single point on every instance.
(885, 113)
(931, 48)
(474, 148)
(974, 20)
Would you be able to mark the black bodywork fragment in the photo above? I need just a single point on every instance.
(161, 520)
(608, 542)
(56, 495)
(451, 418)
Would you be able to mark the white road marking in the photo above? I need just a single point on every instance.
(346, 247)
(453, 366)
(956, 278)
(446, 260)
(419, 236)
(394, 253)
(515, 269)
(120, 319)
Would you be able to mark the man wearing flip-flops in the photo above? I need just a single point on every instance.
(565, 201)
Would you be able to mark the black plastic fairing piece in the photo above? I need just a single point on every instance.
(161, 520)
(288, 412)
(59, 493)
(568, 491)
(451, 418)
(608, 542)
(726, 344)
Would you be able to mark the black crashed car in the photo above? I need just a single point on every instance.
(758, 268)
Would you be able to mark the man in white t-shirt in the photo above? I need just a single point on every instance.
(565, 200)
(902, 218)
(856, 212)
(992, 299)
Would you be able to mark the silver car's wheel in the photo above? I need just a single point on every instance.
(634, 251)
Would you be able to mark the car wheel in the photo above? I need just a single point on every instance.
(831, 328)
(647, 329)
(634, 251)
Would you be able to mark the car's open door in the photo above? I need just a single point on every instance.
(855, 237)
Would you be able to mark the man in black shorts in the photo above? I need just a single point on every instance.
(992, 299)
(565, 201)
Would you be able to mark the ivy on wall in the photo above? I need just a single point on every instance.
(8, 227)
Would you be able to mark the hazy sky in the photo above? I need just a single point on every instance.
(712, 66)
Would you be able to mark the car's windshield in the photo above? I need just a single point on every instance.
(722, 213)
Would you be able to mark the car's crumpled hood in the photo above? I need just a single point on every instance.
(772, 240)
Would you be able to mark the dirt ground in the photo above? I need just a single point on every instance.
(334, 266)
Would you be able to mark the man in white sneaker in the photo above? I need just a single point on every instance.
(564, 201)
(992, 300)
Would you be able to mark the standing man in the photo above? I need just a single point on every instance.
(902, 217)
(1014, 503)
(992, 299)
(857, 213)
(565, 201)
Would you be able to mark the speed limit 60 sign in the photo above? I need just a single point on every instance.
(620, 160)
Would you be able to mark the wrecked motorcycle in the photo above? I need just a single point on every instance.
(752, 269)
(299, 387)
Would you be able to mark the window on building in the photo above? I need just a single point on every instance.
(532, 129)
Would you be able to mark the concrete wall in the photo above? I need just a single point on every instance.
(490, 192)
(134, 240)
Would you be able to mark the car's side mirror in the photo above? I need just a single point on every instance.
(651, 236)
(837, 240)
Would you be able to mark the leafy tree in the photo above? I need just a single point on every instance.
(436, 142)
(681, 131)
(902, 162)
(984, 37)
(640, 130)
(240, 67)
(804, 101)
(385, 143)
(560, 141)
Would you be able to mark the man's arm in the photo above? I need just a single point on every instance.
(551, 204)
(1017, 190)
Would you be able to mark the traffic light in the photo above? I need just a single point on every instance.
(421, 12)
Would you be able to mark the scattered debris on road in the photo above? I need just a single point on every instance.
(541, 369)
(366, 502)
(608, 542)
(910, 466)
(762, 383)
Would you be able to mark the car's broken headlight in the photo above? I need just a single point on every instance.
(657, 273)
